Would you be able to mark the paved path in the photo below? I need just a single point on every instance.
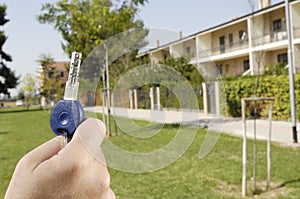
(281, 131)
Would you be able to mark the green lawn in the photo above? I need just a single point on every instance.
(216, 176)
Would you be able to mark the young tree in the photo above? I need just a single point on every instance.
(50, 84)
(8, 79)
(28, 88)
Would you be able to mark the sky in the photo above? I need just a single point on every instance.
(27, 38)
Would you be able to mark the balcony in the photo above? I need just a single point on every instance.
(270, 38)
(224, 49)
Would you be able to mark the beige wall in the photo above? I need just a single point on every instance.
(258, 24)
(297, 57)
(275, 55)
(263, 3)
(158, 55)
(259, 59)
(233, 67)
(277, 14)
(226, 31)
(266, 59)
(266, 23)
(263, 24)
(177, 50)
(192, 45)
(205, 41)
(9, 103)
(295, 17)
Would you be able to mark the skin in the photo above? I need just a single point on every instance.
(54, 171)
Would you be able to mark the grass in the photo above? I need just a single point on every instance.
(218, 175)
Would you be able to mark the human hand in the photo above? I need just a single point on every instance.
(54, 171)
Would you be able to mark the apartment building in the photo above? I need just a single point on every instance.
(56, 71)
(243, 45)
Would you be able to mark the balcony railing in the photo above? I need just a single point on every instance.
(270, 38)
(260, 40)
(224, 49)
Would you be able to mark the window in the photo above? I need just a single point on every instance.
(246, 65)
(62, 74)
(230, 38)
(277, 25)
(166, 56)
(219, 67)
(282, 58)
(222, 44)
(51, 73)
(188, 50)
(242, 36)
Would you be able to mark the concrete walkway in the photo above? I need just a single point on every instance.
(281, 130)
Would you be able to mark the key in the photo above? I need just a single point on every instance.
(68, 113)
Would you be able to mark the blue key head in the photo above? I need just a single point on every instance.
(66, 115)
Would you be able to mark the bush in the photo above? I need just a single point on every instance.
(269, 86)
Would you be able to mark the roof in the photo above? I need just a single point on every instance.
(61, 66)
(217, 26)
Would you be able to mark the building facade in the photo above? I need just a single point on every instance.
(242, 46)
(54, 70)
(52, 80)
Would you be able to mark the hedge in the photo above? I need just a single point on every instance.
(269, 86)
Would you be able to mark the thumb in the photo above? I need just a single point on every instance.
(90, 135)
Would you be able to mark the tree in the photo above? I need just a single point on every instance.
(188, 71)
(50, 84)
(8, 79)
(87, 24)
(183, 66)
(84, 24)
(28, 88)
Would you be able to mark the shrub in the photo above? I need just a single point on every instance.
(269, 86)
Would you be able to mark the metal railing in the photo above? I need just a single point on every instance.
(270, 38)
(224, 48)
(260, 40)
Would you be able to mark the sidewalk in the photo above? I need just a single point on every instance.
(281, 130)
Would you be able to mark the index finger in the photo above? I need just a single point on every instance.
(42, 153)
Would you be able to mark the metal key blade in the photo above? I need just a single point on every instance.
(72, 83)
(65, 139)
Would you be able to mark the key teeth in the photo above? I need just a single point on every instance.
(77, 54)
(71, 88)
